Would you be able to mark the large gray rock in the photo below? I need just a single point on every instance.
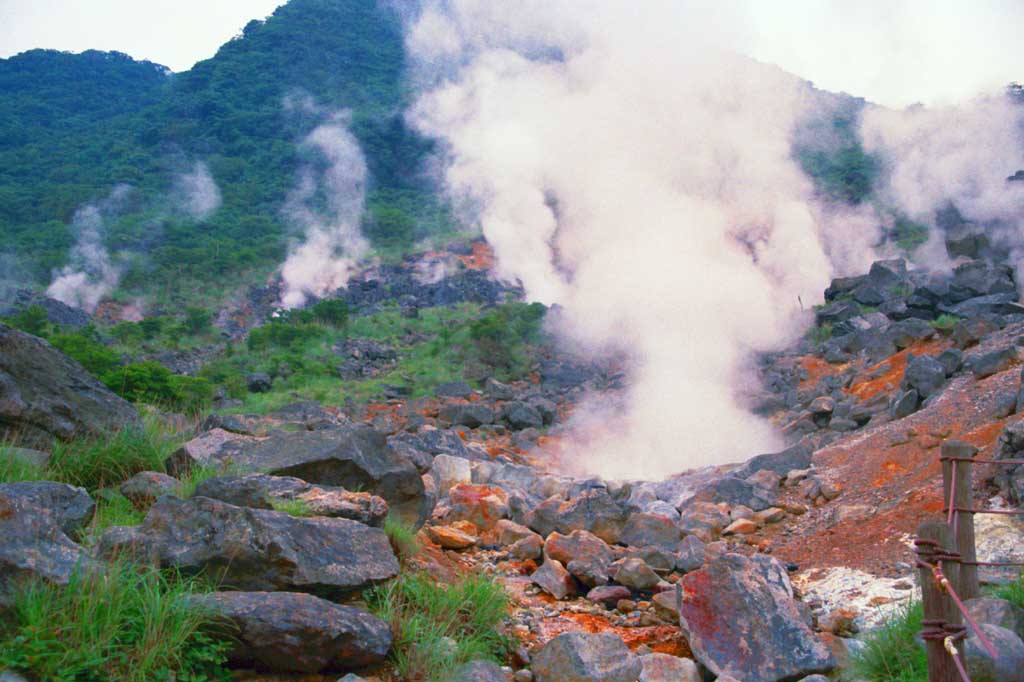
(924, 374)
(261, 491)
(999, 612)
(146, 486)
(44, 395)
(986, 364)
(594, 511)
(585, 657)
(796, 457)
(256, 549)
(1007, 667)
(71, 507)
(666, 668)
(466, 414)
(735, 491)
(33, 547)
(643, 529)
(293, 632)
(481, 671)
(354, 457)
(740, 618)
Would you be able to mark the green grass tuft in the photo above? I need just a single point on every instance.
(819, 334)
(945, 322)
(296, 508)
(891, 654)
(440, 627)
(14, 468)
(189, 481)
(124, 623)
(403, 538)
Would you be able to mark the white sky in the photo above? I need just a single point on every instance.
(895, 52)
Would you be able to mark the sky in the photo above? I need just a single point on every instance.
(893, 52)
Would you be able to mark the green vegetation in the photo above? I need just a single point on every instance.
(188, 482)
(124, 623)
(440, 627)
(296, 508)
(14, 468)
(819, 334)
(945, 323)
(907, 234)
(106, 462)
(77, 126)
(847, 174)
(402, 537)
(112, 509)
(891, 653)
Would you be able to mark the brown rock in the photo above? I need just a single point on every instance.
(450, 537)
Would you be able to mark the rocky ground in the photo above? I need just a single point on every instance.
(763, 570)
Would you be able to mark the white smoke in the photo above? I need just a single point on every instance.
(89, 275)
(197, 192)
(627, 166)
(328, 206)
(959, 154)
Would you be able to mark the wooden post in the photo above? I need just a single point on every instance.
(967, 586)
(939, 609)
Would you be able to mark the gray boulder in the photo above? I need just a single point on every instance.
(354, 457)
(1007, 667)
(924, 374)
(585, 657)
(521, 416)
(594, 511)
(725, 608)
(480, 671)
(258, 382)
(999, 612)
(553, 578)
(666, 668)
(261, 491)
(972, 330)
(33, 547)
(256, 549)
(146, 486)
(986, 364)
(795, 457)
(454, 389)
(71, 507)
(470, 415)
(45, 395)
(643, 529)
(293, 632)
(735, 491)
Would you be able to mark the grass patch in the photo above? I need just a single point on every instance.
(15, 468)
(188, 482)
(403, 538)
(891, 654)
(819, 334)
(1011, 592)
(113, 509)
(945, 323)
(126, 623)
(101, 463)
(297, 508)
(440, 627)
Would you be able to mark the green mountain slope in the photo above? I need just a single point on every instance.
(75, 126)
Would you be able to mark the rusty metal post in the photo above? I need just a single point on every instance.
(939, 610)
(959, 476)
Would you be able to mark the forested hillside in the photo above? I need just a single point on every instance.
(76, 126)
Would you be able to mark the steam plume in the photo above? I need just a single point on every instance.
(89, 274)
(197, 192)
(629, 167)
(959, 154)
(328, 206)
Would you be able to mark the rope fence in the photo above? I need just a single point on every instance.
(948, 566)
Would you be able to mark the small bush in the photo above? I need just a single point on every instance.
(402, 537)
(1012, 592)
(891, 654)
(32, 320)
(945, 323)
(125, 623)
(440, 627)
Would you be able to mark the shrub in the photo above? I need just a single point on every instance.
(32, 320)
(891, 654)
(945, 323)
(282, 334)
(820, 334)
(125, 623)
(333, 312)
(97, 359)
(440, 627)
(501, 335)
(197, 320)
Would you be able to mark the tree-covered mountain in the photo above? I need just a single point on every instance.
(76, 126)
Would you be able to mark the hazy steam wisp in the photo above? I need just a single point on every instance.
(197, 192)
(328, 205)
(89, 275)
